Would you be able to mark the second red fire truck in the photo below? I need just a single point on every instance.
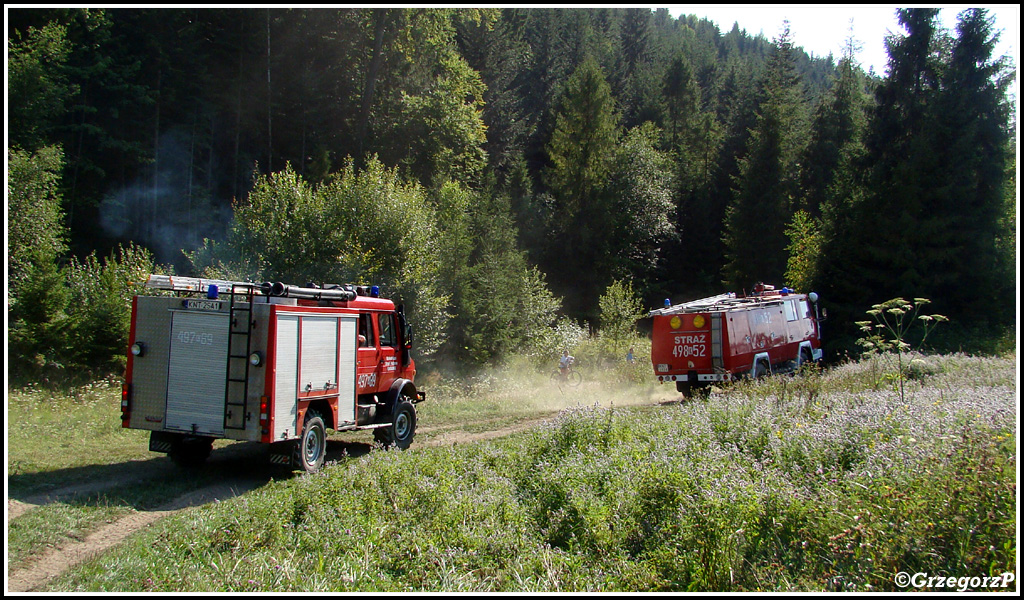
(268, 363)
(726, 337)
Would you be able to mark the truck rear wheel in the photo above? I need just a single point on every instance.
(402, 428)
(805, 357)
(760, 369)
(189, 451)
(312, 447)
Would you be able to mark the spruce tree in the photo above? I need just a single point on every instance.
(836, 131)
(581, 152)
(830, 177)
(928, 220)
(762, 205)
(871, 254)
(971, 137)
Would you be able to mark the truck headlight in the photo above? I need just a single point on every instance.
(138, 349)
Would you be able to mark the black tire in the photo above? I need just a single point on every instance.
(684, 388)
(188, 451)
(402, 429)
(572, 378)
(312, 447)
(760, 369)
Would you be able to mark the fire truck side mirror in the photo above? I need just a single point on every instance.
(406, 334)
(404, 327)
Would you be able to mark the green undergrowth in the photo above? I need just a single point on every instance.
(59, 432)
(825, 481)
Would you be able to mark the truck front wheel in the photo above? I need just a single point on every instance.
(312, 447)
(402, 429)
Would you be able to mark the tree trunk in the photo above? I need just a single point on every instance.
(371, 76)
(270, 137)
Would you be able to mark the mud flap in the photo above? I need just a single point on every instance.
(281, 453)
(161, 441)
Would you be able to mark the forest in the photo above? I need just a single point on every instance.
(500, 171)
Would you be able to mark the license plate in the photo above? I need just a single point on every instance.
(201, 304)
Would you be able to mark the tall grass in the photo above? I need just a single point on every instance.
(67, 452)
(56, 431)
(824, 481)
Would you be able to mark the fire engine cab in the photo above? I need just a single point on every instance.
(270, 363)
(725, 337)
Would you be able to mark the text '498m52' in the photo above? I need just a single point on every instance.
(721, 338)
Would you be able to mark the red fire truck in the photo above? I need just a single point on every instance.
(270, 363)
(725, 337)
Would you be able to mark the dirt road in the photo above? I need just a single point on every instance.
(56, 560)
(40, 569)
(237, 469)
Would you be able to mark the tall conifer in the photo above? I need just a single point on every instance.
(755, 221)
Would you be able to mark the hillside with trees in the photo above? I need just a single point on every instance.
(498, 170)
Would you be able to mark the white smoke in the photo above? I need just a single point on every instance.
(170, 209)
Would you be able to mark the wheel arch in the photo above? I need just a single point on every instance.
(805, 347)
(323, 407)
(400, 388)
(761, 357)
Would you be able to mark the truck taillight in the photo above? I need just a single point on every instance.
(126, 403)
(264, 418)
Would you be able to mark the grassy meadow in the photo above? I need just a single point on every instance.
(825, 481)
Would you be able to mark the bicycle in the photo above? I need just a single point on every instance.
(571, 377)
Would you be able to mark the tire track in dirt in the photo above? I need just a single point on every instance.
(133, 472)
(452, 437)
(57, 560)
(16, 508)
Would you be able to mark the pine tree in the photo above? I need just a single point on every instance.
(971, 138)
(581, 152)
(870, 252)
(755, 221)
(830, 177)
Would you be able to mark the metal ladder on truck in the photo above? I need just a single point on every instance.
(236, 389)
